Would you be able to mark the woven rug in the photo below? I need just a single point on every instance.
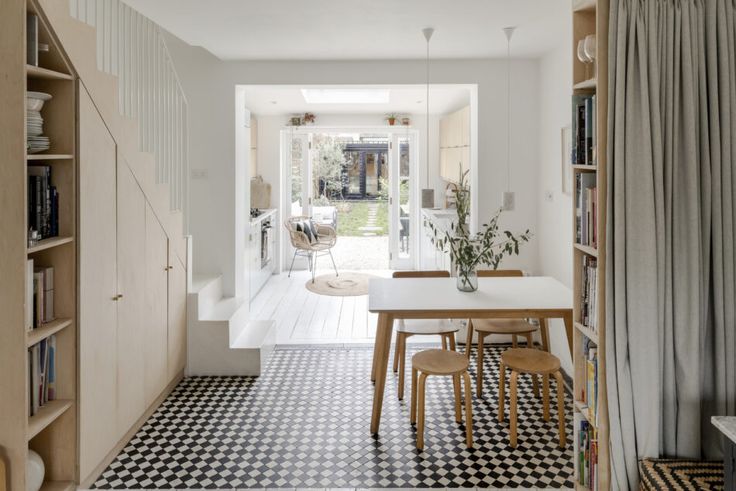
(345, 285)
(670, 474)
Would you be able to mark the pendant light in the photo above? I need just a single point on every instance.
(427, 193)
(508, 195)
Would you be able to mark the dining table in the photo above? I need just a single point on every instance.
(539, 297)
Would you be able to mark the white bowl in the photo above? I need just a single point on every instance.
(35, 100)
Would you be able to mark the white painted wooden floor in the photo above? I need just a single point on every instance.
(303, 317)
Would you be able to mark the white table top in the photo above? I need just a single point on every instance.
(441, 294)
(726, 425)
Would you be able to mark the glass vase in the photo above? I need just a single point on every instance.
(467, 279)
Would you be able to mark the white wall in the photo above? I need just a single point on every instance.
(555, 217)
(210, 87)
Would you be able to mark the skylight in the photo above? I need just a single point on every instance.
(346, 96)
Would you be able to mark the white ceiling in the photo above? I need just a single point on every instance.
(403, 99)
(361, 29)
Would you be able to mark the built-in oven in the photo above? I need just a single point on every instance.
(266, 242)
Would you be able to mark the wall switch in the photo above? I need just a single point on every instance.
(508, 201)
(549, 196)
(199, 174)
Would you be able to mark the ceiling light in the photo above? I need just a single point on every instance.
(346, 96)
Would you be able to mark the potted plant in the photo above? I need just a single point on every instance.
(468, 252)
(391, 118)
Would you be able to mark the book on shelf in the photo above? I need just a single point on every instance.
(42, 374)
(586, 209)
(584, 130)
(586, 460)
(43, 202)
(29, 295)
(39, 295)
(589, 292)
(589, 391)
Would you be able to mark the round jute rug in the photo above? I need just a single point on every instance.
(345, 285)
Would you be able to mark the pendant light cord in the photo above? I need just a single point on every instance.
(508, 113)
(427, 157)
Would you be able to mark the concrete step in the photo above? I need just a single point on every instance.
(205, 293)
(212, 353)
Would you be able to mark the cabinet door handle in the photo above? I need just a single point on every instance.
(117, 297)
(168, 268)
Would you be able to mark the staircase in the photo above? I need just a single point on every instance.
(221, 340)
(123, 62)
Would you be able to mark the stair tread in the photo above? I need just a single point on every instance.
(254, 335)
(199, 281)
(225, 309)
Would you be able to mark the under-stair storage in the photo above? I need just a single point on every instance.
(132, 311)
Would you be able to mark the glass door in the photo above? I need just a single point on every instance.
(300, 175)
(402, 207)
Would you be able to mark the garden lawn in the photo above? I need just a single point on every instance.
(351, 215)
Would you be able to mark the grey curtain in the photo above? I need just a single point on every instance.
(670, 282)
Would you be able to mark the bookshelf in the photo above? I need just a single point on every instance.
(52, 430)
(589, 254)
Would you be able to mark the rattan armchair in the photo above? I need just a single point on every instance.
(321, 245)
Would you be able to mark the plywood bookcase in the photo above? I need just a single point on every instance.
(591, 79)
(52, 431)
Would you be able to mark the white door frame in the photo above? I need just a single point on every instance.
(393, 133)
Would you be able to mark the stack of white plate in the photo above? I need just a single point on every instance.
(36, 142)
(34, 123)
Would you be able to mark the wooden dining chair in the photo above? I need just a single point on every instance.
(420, 327)
(513, 327)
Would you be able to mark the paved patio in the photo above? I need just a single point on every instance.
(359, 253)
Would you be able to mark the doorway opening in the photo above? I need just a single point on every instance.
(357, 182)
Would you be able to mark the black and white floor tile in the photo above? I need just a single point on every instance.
(304, 424)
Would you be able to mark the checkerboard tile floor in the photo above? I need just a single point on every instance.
(304, 424)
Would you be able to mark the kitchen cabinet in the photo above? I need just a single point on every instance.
(261, 250)
(455, 144)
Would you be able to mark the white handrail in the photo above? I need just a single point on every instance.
(131, 47)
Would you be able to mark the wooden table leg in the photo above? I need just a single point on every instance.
(380, 365)
(568, 328)
(373, 369)
(544, 331)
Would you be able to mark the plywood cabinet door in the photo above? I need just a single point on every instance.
(156, 313)
(443, 163)
(177, 335)
(465, 126)
(454, 163)
(131, 237)
(465, 158)
(456, 129)
(97, 288)
(444, 131)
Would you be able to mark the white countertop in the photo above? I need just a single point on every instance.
(727, 426)
(264, 214)
(441, 294)
(442, 218)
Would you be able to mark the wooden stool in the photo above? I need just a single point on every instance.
(536, 362)
(440, 362)
(420, 327)
(513, 327)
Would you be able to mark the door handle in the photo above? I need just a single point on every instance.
(168, 268)
(117, 297)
